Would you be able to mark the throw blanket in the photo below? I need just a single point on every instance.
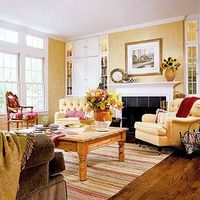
(55, 136)
(186, 106)
(14, 151)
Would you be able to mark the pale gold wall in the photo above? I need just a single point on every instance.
(56, 75)
(173, 45)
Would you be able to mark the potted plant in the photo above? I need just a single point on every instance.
(101, 102)
(170, 65)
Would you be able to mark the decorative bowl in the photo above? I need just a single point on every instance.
(73, 129)
(102, 126)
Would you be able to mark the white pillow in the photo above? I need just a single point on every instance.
(163, 117)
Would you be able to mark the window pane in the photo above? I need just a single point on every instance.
(35, 96)
(8, 67)
(191, 31)
(33, 41)
(192, 67)
(8, 76)
(2, 94)
(9, 35)
(34, 82)
(34, 70)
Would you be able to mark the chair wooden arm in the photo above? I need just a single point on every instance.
(24, 107)
(10, 109)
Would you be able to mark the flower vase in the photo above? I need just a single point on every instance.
(103, 119)
(169, 74)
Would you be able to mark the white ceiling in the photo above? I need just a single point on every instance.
(73, 18)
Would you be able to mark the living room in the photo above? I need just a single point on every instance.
(98, 99)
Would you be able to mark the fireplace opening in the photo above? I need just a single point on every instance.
(134, 108)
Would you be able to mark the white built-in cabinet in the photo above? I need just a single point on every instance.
(86, 75)
(83, 65)
(192, 56)
(86, 48)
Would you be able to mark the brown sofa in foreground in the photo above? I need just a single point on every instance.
(41, 178)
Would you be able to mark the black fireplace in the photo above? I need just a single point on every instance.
(135, 107)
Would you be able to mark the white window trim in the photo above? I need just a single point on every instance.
(197, 45)
(23, 50)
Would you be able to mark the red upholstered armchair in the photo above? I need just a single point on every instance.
(15, 112)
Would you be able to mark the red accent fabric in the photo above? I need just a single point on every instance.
(13, 102)
(186, 106)
(55, 136)
(17, 116)
(30, 116)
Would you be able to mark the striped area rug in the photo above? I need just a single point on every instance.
(106, 175)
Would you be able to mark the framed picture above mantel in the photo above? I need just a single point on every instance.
(143, 57)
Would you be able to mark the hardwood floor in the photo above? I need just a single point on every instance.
(176, 177)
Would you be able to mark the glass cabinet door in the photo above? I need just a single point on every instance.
(191, 55)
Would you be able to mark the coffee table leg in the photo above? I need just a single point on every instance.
(83, 167)
(121, 151)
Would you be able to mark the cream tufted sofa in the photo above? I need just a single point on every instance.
(167, 134)
(69, 104)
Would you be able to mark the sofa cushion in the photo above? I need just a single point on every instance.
(151, 128)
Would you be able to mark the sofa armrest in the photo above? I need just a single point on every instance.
(43, 151)
(57, 164)
(59, 115)
(177, 126)
(187, 120)
(149, 118)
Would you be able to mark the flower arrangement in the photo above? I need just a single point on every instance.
(170, 63)
(99, 99)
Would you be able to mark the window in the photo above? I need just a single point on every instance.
(9, 35)
(8, 76)
(33, 41)
(192, 70)
(23, 70)
(34, 68)
(191, 55)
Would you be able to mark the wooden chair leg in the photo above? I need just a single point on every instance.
(8, 126)
(17, 125)
(22, 125)
(37, 121)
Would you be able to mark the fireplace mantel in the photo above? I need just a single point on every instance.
(146, 89)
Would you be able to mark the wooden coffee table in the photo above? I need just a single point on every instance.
(89, 140)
